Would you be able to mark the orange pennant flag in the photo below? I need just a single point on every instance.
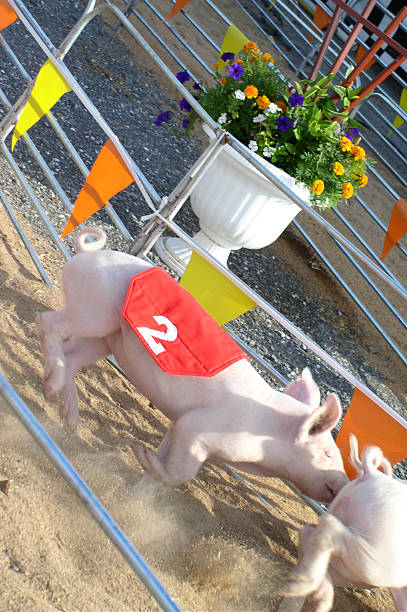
(7, 14)
(397, 227)
(178, 6)
(372, 426)
(321, 19)
(108, 176)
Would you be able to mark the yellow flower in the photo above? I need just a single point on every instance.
(363, 180)
(266, 57)
(346, 144)
(251, 91)
(347, 190)
(318, 186)
(338, 168)
(263, 102)
(358, 153)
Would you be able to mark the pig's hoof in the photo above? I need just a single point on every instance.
(296, 587)
(141, 453)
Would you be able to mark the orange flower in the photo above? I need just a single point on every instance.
(216, 66)
(346, 144)
(266, 57)
(358, 153)
(363, 180)
(251, 91)
(338, 168)
(282, 106)
(347, 190)
(263, 102)
(239, 61)
(318, 186)
(222, 81)
(251, 47)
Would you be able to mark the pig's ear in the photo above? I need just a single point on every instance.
(305, 389)
(324, 418)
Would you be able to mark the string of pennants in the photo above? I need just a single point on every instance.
(220, 297)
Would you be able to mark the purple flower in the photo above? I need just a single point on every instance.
(283, 123)
(236, 71)
(183, 76)
(227, 56)
(162, 118)
(296, 100)
(355, 132)
(196, 86)
(185, 123)
(348, 135)
(184, 105)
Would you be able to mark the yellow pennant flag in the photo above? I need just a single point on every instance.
(218, 295)
(48, 88)
(232, 43)
(398, 122)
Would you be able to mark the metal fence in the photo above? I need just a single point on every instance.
(163, 211)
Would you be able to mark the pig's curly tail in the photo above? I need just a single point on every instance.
(81, 244)
(372, 459)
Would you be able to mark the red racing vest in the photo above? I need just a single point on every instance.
(178, 333)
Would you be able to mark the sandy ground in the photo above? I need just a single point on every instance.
(212, 543)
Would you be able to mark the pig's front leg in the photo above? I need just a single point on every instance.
(180, 455)
(328, 538)
(400, 598)
(291, 604)
(323, 598)
(78, 353)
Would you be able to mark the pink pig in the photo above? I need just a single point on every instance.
(233, 416)
(361, 542)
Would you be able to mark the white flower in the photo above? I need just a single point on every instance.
(259, 119)
(272, 108)
(253, 145)
(222, 119)
(266, 152)
(240, 95)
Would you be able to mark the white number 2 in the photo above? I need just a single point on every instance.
(170, 334)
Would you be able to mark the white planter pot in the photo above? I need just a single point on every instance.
(237, 207)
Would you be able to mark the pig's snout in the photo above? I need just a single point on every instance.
(332, 486)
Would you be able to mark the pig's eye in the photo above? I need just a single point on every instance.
(329, 454)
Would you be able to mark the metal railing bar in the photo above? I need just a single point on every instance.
(351, 293)
(178, 37)
(200, 30)
(280, 318)
(26, 241)
(31, 195)
(162, 43)
(49, 51)
(87, 497)
(366, 245)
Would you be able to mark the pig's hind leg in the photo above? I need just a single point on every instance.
(78, 353)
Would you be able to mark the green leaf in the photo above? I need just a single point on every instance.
(290, 148)
(341, 91)
(349, 70)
